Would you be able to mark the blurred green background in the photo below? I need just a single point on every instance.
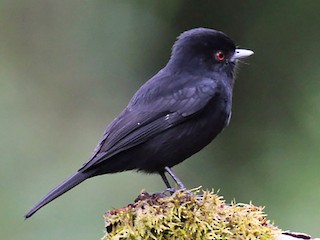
(67, 68)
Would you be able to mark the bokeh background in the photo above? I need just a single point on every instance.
(67, 68)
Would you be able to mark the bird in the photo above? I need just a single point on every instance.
(172, 116)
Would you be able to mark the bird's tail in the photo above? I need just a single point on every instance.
(71, 182)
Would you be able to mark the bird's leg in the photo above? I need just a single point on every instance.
(164, 178)
(175, 178)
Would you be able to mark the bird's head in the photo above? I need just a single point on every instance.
(203, 49)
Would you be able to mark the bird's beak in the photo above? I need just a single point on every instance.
(241, 53)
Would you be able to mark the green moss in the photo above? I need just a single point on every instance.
(187, 215)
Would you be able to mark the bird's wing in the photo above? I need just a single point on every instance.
(137, 124)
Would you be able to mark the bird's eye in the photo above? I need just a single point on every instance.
(220, 56)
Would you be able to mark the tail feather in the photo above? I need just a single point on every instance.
(71, 182)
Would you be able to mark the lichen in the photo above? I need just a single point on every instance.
(188, 215)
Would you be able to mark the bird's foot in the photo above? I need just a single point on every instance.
(169, 191)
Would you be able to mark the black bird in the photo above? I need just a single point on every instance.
(172, 116)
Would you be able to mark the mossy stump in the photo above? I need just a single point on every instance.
(188, 215)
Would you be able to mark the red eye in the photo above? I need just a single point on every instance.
(220, 56)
